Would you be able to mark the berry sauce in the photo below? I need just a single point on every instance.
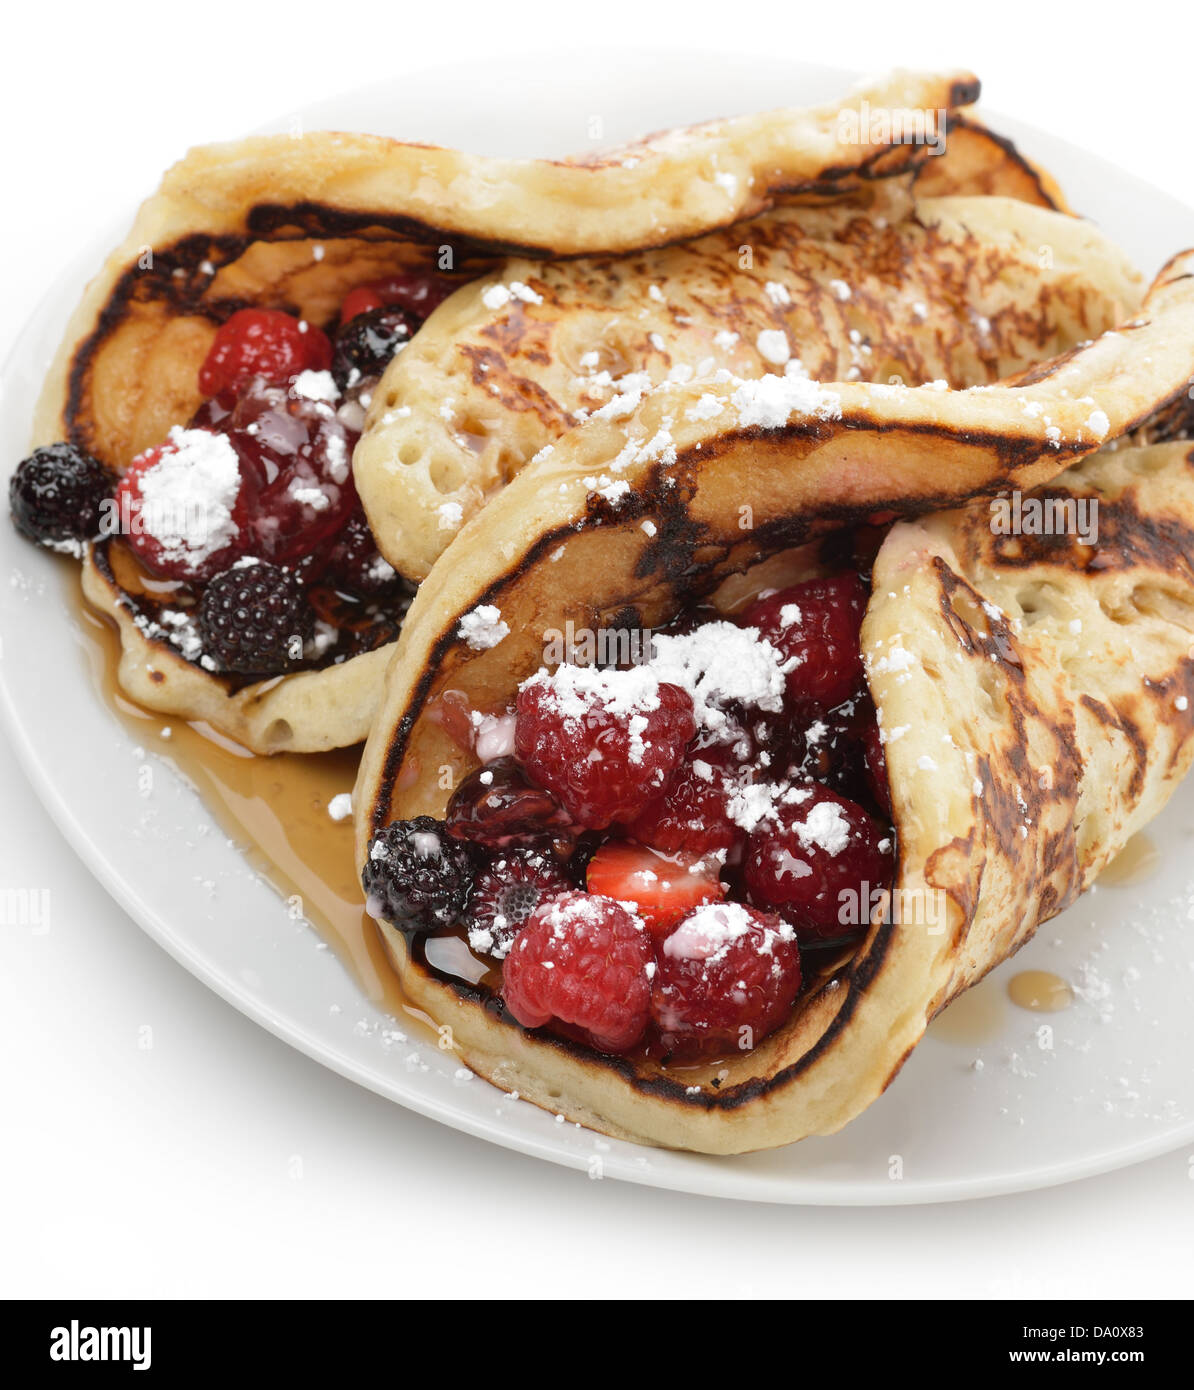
(729, 794)
(262, 474)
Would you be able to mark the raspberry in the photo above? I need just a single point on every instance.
(497, 806)
(806, 864)
(693, 812)
(583, 961)
(266, 343)
(663, 887)
(505, 894)
(817, 622)
(255, 619)
(418, 877)
(604, 742)
(57, 494)
(366, 343)
(296, 455)
(184, 506)
(727, 976)
(417, 294)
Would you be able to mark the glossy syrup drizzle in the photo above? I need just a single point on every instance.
(276, 810)
(1137, 861)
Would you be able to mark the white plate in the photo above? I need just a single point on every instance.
(1116, 1086)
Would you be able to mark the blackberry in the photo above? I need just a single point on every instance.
(254, 619)
(418, 875)
(365, 345)
(56, 496)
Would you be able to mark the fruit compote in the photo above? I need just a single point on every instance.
(657, 856)
(240, 539)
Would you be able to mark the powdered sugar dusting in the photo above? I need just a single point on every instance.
(483, 627)
(188, 496)
(719, 663)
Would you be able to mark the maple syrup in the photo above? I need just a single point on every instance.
(1137, 861)
(276, 810)
(974, 1019)
(1040, 991)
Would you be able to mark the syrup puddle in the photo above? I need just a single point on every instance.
(275, 809)
(1137, 861)
(1040, 991)
(977, 1018)
(974, 1019)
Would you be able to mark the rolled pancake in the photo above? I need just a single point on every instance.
(622, 521)
(978, 160)
(878, 288)
(295, 222)
(1041, 690)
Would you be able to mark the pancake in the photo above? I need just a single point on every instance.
(296, 222)
(883, 288)
(1043, 694)
(623, 524)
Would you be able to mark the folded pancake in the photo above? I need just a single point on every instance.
(881, 287)
(296, 222)
(704, 480)
(977, 160)
(238, 223)
(623, 524)
(1038, 698)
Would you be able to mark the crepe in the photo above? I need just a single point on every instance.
(978, 160)
(704, 480)
(885, 288)
(622, 524)
(295, 222)
(1036, 697)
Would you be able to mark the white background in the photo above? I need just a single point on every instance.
(221, 1163)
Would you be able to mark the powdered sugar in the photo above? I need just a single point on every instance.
(450, 516)
(824, 828)
(709, 931)
(483, 627)
(773, 346)
(573, 691)
(772, 400)
(719, 663)
(188, 496)
(315, 386)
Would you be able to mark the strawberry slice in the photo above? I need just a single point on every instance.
(664, 887)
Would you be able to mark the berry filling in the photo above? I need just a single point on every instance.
(604, 743)
(414, 293)
(660, 851)
(583, 961)
(727, 976)
(507, 891)
(240, 539)
(664, 888)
